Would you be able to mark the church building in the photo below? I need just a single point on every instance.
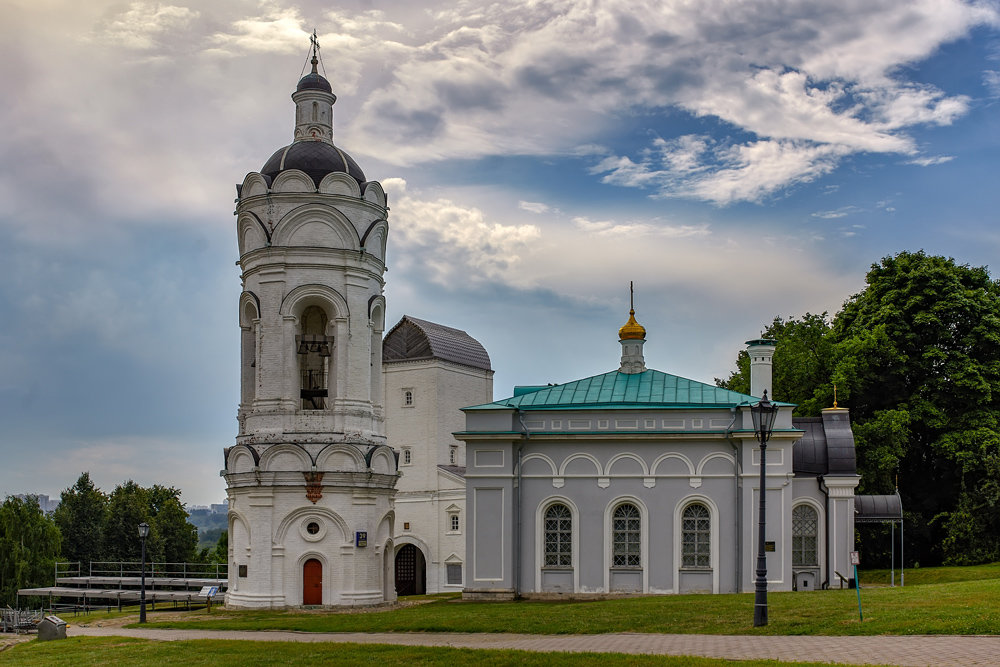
(311, 478)
(640, 481)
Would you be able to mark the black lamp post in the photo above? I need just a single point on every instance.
(763, 414)
(143, 533)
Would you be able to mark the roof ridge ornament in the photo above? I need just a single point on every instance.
(632, 330)
(314, 40)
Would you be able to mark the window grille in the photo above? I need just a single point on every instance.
(696, 542)
(558, 536)
(805, 527)
(454, 522)
(407, 397)
(407, 457)
(626, 536)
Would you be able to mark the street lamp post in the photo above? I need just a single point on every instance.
(143, 533)
(763, 414)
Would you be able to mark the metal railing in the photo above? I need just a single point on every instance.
(123, 569)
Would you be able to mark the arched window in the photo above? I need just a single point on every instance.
(696, 540)
(805, 526)
(626, 536)
(558, 536)
(313, 347)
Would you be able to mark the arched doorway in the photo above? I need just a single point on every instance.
(312, 582)
(411, 576)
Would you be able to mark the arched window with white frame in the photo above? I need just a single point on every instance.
(558, 536)
(626, 537)
(805, 536)
(696, 537)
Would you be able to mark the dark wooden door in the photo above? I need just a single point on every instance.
(406, 570)
(312, 582)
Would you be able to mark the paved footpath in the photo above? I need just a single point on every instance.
(910, 651)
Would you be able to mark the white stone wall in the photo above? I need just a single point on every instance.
(427, 496)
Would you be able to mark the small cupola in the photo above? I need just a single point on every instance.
(632, 336)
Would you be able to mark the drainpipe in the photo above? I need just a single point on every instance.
(826, 526)
(517, 506)
(737, 485)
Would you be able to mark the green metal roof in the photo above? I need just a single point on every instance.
(624, 391)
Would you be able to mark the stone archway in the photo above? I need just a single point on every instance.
(411, 571)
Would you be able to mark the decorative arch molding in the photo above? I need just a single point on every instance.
(235, 453)
(672, 455)
(626, 456)
(578, 457)
(324, 455)
(714, 519)
(609, 511)
(293, 180)
(386, 525)
(250, 222)
(376, 312)
(306, 295)
(275, 451)
(540, 457)
(376, 235)
(302, 512)
(381, 455)
(248, 298)
(234, 517)
(540, 510)
(339, 183)
(374, 193)
(316, 213)
(717, 455)
(254, 184)
(400, 541)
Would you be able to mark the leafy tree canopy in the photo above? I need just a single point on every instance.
(29, 546)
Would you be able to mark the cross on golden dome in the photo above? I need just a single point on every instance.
(632, 329)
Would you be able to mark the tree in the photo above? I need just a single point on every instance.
(81, 517)
(918, 361)
(178, 537)
(29, 546)
(128, 506)
(803, 363)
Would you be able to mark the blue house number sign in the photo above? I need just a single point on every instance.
(361, 538)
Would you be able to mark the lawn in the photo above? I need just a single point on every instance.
(933, 575)
(100, 651)
(962, 608)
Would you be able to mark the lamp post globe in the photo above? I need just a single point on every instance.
(143, 534)
(763, 413)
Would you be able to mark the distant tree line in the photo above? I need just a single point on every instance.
(916, 357)
(90, 526)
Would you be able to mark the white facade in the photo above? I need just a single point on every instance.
(311, 478)
(425, 390)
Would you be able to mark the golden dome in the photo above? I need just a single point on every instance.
(632, 329)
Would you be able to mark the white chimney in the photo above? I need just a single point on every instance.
(761, 352)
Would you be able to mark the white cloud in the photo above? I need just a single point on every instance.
(842, 212)
(146, 25)
(991, 80)
(533, 206)
(930, 161)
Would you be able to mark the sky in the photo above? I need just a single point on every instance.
(736, 160)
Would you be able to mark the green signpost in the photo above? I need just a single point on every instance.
(855, 561)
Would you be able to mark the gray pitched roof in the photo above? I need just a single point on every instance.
(412, 339)
(872, 509)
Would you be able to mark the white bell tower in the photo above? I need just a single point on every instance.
(311, 479)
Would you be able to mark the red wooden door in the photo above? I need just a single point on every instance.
(312, 582)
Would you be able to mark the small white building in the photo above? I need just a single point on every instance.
(430, 373)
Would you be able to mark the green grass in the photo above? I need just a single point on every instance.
(100, 651)
(962, 608)
(933, 575)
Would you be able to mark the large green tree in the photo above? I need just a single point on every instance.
(916, 357)
(918, 361)
(128, 506)
(179, 538)
(29, 546)
(81, 518)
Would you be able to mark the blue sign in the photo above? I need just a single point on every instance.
(361, 538)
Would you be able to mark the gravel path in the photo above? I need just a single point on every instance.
(910, 651)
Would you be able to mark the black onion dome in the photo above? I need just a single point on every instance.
(314, 81)
(316, 158)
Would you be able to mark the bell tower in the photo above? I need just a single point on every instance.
(310, 479)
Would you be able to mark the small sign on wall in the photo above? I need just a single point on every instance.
(361, 538)
(769, 547)
(242, 570)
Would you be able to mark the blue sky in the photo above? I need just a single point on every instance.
(736, 160)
